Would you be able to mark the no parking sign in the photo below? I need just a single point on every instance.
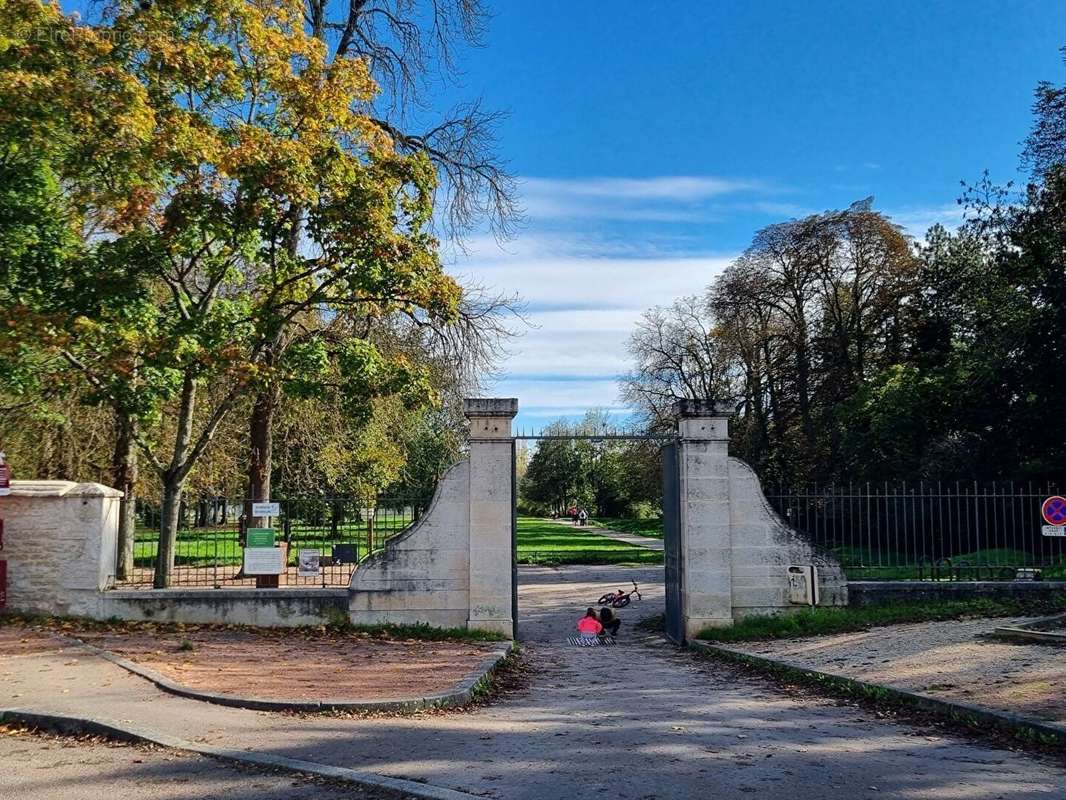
(1053, 511)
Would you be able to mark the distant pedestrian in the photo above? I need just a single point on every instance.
(583, 517)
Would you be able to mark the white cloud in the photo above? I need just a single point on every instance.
(556, 278)
(562, 397)
(674, 198)
(580, 343)
(675, 187)
(918, 221)
(584, 298)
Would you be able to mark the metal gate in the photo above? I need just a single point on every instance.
(675, 621)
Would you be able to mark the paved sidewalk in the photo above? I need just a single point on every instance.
(640, 721)
(953, 660)
(629, 538)
(46, 768)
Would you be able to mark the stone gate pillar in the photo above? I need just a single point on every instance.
(705, 530)
(491, 513)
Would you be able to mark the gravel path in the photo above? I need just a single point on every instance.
(640, 721)
(647, 542)
(950, 660)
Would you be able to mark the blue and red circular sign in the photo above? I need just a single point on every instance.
(1054, 510)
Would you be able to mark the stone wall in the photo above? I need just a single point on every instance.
(267, 607)
(876, 593)
(453, 568)
(765, 546)
(60, 541)
(739, 558)
(422, 575)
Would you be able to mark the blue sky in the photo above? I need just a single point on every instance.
(653, 139)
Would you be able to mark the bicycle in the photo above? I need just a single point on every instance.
(619, 599)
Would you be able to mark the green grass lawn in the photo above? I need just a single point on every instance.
(539, 542)
(641, 527)
(826, 621)
(864, 564)
(220, 546)
(545, 542)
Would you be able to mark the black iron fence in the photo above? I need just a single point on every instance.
(336, 532)
(929, 530)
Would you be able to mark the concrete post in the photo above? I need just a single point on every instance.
(706, 539)
(491, 512)
(60, 542)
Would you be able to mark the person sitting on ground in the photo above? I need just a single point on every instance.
(609, 621)
(589, 625)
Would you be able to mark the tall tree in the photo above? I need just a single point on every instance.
(71, 129)
(251, 126)
(403, 44)
(677, 355)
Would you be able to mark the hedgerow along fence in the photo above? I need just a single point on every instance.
(928, 530)
(211, 538)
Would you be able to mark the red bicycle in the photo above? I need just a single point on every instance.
(619, 599)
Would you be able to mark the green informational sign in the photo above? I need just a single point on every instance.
(260, 537)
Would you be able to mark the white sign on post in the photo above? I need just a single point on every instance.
(266, 509)
(1053, 530)
(264, 560)
(309, 565)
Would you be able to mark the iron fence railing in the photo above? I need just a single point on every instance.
(929, 530)
(211, 538)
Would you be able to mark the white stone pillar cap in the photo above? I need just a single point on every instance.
(491, 407)
(704, 408)
(61, 489)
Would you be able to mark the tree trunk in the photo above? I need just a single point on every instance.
(261, 451)
(173, 484)
(168, 532)
(124, 478)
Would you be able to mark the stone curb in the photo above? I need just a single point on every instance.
(459, 695)
(1026, 632)
(948, 709)
(1025, 635)
(103, 727)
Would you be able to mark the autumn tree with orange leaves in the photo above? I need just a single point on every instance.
(266, 222)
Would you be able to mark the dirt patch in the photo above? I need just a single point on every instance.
(277, 664)
(18, 641)
(950, 660)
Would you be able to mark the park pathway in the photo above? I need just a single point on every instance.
(640, 721)
(647, 542)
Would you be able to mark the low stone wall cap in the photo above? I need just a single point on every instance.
(61, 489)
(490, 406)
(704, 408)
